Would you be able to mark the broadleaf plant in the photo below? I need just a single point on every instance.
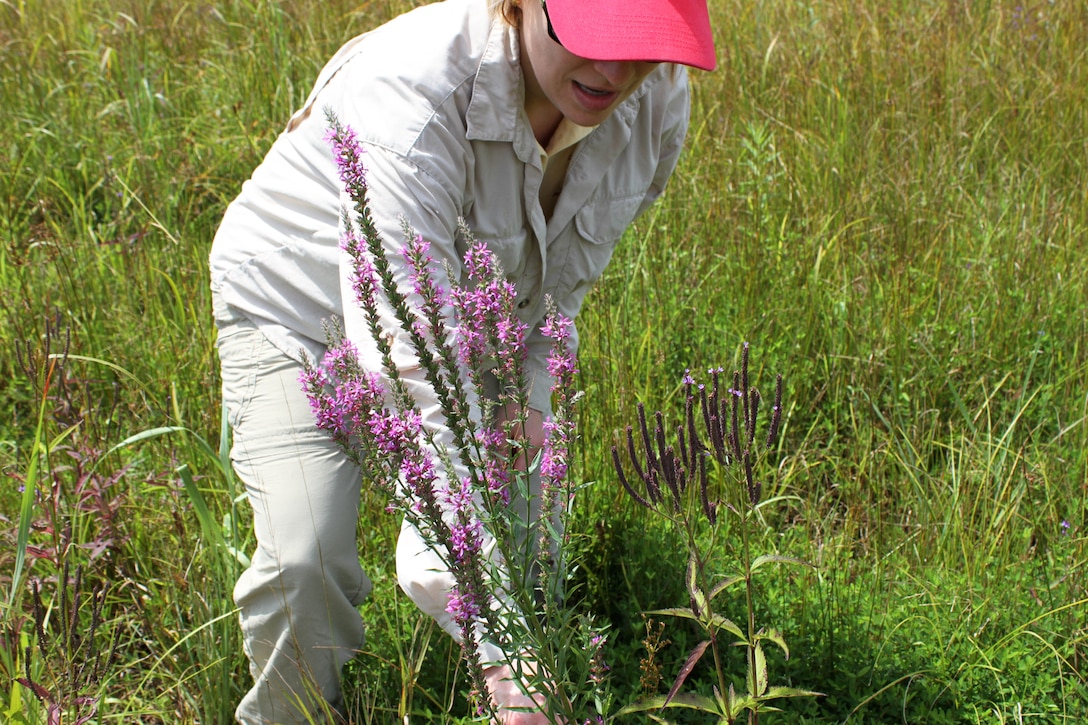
(711, 465)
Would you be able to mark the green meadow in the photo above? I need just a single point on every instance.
(887, 200)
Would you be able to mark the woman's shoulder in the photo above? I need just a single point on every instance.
(442, 36)
(661, 106)
(667, 82)
(389, 81)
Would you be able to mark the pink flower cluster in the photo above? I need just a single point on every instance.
(466, 536)
(342, 396)
(348, 153)
(558, 429)
(489, 329)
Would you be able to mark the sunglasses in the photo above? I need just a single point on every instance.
(551, 30)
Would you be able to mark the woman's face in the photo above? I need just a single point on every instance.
(559, 83)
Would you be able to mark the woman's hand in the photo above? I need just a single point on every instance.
(531, 431)
(507, 693)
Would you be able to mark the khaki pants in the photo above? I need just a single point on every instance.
(298, 597)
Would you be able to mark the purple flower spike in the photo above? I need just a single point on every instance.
(496, 473)
(364, 280)
(480, 262)
(561, 363)
(348, 153)
(466, 532)
(553, 463)
(462, 607)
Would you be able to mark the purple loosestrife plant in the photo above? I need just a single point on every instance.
(709, 470)
(467, 484)
(555, 492)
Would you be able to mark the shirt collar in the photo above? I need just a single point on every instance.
(498, 91)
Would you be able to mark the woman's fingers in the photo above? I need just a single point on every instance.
(508, 694)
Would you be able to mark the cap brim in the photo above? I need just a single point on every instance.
(674, 31)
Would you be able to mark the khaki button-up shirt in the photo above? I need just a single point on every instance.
(436, 98)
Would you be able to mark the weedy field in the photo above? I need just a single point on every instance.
(888, 201)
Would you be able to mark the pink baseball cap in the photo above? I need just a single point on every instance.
(674, 31)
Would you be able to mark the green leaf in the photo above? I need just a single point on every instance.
(26, 513)
(725, 584)
(682, 612)
(730, 701)
(146, 435)
(717, 622)
(225, 466)
(220, 458)
(773, 635)
(698, 598)
(713, 623)
(736, 705)
(39, 452)
(777, 559)
(775, 693)
(689, 700)
(759, 677)
(207, 524)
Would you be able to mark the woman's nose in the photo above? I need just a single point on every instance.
(617, 72)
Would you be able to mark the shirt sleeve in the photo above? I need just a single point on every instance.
(677, 116)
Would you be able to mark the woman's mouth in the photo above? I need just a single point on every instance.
(594, 99)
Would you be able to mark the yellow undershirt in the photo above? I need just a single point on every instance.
(556, 158)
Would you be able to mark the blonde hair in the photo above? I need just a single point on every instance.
(508, 10)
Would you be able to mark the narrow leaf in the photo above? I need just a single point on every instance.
(698, 599)
(760, 678)
(26, 513)
(725, 584)
(689, 665)
(225, 466)
(207, 523)
(202, 445)
(659, 720)
(147, 434)
(40, 692)
(774, 693)
(738, 705)
(690, 700)
(777, 559)
(717, 622)
(676, 612)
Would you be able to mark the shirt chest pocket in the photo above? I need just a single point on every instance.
(510, 250)
(598, 226)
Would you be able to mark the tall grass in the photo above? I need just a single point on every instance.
(889, 200)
